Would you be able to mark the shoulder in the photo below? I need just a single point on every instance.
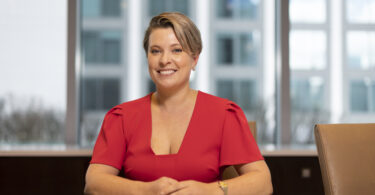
(222, 107)
(138, 105)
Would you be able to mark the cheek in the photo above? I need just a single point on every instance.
(183, 61)
(151, 61)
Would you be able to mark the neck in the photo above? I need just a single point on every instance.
(169, 99)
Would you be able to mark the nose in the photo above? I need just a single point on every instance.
(165, 58)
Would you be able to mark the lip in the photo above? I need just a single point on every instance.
(166, 72)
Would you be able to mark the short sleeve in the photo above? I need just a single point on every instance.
(238, 145)
(110, 145)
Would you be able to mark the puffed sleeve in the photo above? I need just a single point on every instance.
(238, 145)
(110, 145)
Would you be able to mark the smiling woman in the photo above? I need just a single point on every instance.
(176, 140)
(169, 64)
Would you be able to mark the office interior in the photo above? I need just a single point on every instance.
(289, 64)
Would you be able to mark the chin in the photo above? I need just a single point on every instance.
(168, 86)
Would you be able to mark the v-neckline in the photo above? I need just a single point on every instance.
(187, 132)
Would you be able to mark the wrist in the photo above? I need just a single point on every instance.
(216, 188)
(223, 187)
(143, 188)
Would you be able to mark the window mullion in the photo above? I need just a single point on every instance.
(283, 112)
(73, 72)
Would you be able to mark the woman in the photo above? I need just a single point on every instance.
(176, 140)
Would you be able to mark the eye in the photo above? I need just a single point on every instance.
(177, 50)
(155, 51)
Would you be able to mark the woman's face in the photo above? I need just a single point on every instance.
(168, 64)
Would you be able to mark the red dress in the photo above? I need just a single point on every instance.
(217, 136)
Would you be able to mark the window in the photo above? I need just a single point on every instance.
(359, 66)
(33, 73)
(103, 69)
(239, 68)
(309, 68)
(331, 68)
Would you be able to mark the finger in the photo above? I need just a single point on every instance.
(169, 189)
(174, 188)
(184, 184)
(180, 192)
(171, 180)
(167, 179)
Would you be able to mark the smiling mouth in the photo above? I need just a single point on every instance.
(166, 72)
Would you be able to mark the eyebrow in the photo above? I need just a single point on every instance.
(174, 44)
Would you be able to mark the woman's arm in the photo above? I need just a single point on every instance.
(103, 179)
(255, 178)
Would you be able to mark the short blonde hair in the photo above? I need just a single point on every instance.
(185, 30)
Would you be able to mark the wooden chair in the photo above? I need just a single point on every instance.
(230, 171)
(347, 157)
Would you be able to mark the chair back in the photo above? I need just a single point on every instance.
(230, 171)
(347, 157)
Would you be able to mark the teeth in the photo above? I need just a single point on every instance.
(165, 72)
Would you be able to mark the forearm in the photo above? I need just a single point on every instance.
(255, 182)
(102, 183)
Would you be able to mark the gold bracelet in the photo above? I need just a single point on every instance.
(223, 186)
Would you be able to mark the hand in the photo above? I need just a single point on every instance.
(196, 188)
(162, 186)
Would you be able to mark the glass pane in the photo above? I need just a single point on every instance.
(98, 96)
(238, 49)
(33, 76)
(100, 87)
(238, 52)
(360, 11)
(224, 8)
(225, 89)
(373, 97)
(89, 97)
(307, 11)
(308, 50)
(102, 47)
(249, 48)
(247, 9)
(308, 108)
(358, 96)
(101, 8)
(158, 6)
(91, 8)
(181, 6)
(111, 93)
(243, 92)
(361, 49)
(307, 94)
(247, 95)
(111, 8)
(225, 50)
